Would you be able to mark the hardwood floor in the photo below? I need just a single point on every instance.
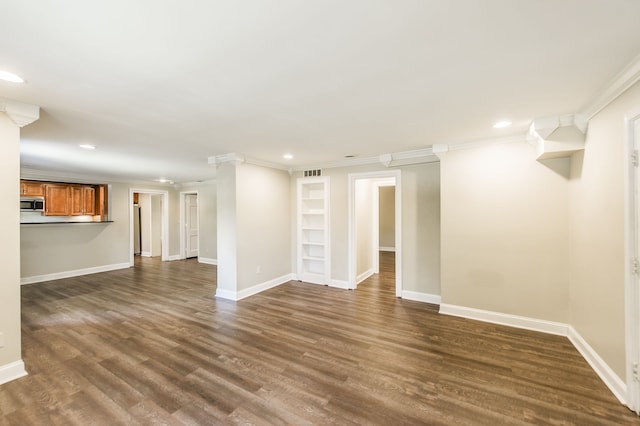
(152, 345)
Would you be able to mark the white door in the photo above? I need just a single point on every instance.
(191, 225)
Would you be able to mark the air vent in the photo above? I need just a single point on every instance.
(313, 173)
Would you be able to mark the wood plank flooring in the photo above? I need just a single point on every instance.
(152, 345)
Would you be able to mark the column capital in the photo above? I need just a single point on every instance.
(233, 158)
(20, 113)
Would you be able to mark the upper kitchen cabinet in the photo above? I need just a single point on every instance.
(31, 188)
(83, 200)
(57, 199)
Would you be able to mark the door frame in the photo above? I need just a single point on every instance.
(352, 267)
(183, 223)
(165, 221)
(632, 259)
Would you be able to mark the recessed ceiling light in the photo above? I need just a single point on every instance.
(11, 77)
(501, 124)
(287, 156)
(164, 180)
(87, 146)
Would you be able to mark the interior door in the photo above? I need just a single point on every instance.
(191, 225)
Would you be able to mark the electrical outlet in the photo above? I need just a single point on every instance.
(1, 340)
(258, 269)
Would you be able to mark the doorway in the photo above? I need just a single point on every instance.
(189, 225)
(632, 257)
(153, 224)
(364, 238)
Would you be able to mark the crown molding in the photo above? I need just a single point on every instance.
(235, 158)
(483, 142)
(196, 183)
(269, 164)
(57, 176)
(348, 162)
(231, 157)
(624, 80)
(20, 113)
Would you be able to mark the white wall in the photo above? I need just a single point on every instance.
(387, 217)
(596, 235)
(421, 228)
(504, 232)
(156, 225)
(207, 213)
(144, 201)
(421, 224)
(226, 207)
(59, 248)
(263, 224)
(10, 244)
(364, 212)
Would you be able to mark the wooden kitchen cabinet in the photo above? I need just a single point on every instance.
(69, 199)
(32, 188)
(83, 200)
(57, 199)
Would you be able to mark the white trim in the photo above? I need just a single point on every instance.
(145, 253)
(631, 246)
(434, 299)
(323, 277)
(208, 261)
(340, 284)
(20, 113)
(197, 183)
(352, 177)
(392, 249)
(258, 288)
(625, 79)
(174, 257)
(35, 174)
(417, 156)
(615, 384)
(12, 371)
(73, 273)
(517, 321)
(363, 276)
(226, 294)
(165, 220)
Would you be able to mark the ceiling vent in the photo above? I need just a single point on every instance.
(313, 173)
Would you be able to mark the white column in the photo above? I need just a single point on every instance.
(13, 115)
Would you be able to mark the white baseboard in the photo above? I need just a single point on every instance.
(174, 257)
(74, 273)
(363, 276)
(506, 319)
(226, 294)
(387, 249)
(145, 253)
(208, 261)
(421, 297)
(12, 371)
(239, 295)
(615, 384)
(339, 284)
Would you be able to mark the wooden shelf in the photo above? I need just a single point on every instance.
(314, 250)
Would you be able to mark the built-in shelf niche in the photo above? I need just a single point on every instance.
(314, 250)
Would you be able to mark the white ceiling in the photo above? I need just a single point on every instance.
(160, 86)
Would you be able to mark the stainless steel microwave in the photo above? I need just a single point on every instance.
(32, 204)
